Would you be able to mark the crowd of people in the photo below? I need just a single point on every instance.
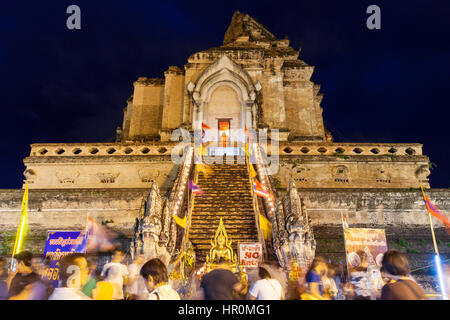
(81, 278)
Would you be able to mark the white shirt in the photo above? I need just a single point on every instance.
(116, 272)
(164, 293)
(68, 294)
(137, 287)
(266, 289)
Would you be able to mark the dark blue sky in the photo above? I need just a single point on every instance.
(57, 85)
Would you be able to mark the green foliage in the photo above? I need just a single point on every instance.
(105, 222)
(392, 156)
(403, 243)
(421, 242)
(6, 243)
(296, 163)
(340, 155)
(409, 250)
(448, 244)
(439, 242)
(276, 183)
(432, 165)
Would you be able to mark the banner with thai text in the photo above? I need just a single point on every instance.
(60, 244)
(250, 254)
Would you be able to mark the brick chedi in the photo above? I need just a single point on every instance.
(252, 80)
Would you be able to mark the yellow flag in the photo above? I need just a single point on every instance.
(253, 173)
(266, 226)
(23, 221)
(205, 169)
(179, 221)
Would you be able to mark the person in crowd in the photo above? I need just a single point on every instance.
(266, 288)
(37, 265)
(103, 290)
(348, 290)
(154, 272)
(136, 284)
(43, 288)
(73, 275)
(447, 279)
(339, 280)
(314, 276)
(117, 274)
(339, 275)
(400, 286)
(91, 284)
(221, 283)
(329, 284)
(3, 277)
(23, 276)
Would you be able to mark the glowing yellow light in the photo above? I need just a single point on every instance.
(22, 224)
(23, 217)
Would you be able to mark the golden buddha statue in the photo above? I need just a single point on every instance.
(295, 272)
(189, 259)
(221, 247)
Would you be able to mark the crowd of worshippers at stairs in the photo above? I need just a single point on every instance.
(149, 280)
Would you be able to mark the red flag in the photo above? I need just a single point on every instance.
(195, 188)
(248, 133)
(434, 210)
(259, 190)
(205, 126)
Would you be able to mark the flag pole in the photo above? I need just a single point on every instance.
(345, 246)
(436, 250)
(20, 229)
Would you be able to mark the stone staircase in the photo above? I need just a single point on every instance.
(227, 196)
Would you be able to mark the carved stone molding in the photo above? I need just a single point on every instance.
(340, 174)
(147, 174)
(422, 173)
(107, 177)
(67, 176)
(383, 176)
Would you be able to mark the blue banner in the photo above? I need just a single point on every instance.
(60, 244)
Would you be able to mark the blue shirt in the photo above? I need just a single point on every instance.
(314, 277)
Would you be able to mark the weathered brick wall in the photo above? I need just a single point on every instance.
(400, 212)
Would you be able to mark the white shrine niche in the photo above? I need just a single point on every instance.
(224, 91)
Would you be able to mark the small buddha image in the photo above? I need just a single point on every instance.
(224, 139)
(295, 272)
(221, 251)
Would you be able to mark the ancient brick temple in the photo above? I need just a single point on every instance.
(252, 80)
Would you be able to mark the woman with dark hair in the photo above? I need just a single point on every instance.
(400, 286)
(318, 269)
(156, 279)
(267, 288)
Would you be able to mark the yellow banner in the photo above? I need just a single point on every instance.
(365, 247)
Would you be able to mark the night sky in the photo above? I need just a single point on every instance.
(60, 85)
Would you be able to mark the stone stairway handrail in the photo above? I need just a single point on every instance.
(255, 207)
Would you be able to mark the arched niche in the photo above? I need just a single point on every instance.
(226, 76)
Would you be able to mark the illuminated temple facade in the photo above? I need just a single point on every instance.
(252, 80)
